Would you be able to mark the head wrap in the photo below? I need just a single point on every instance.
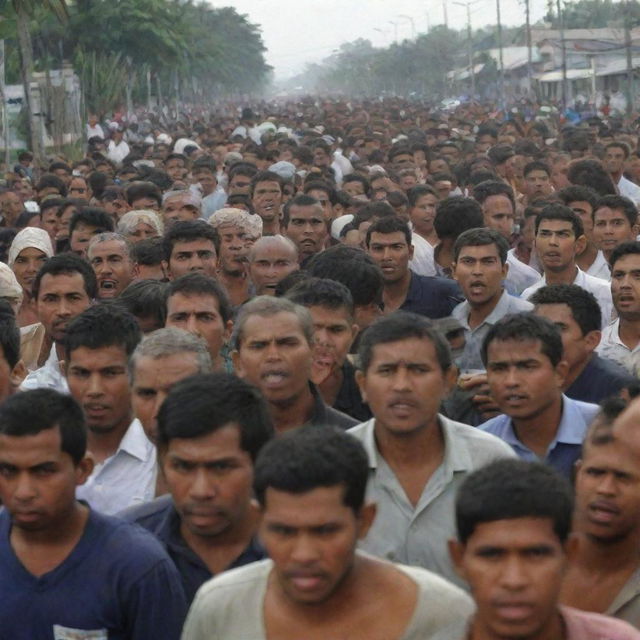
(30, 237)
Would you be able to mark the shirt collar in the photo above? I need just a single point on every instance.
(135, 442)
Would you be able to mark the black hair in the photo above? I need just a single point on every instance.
(92, 217)
(415, 193)
(630, 248)
(583, 304)
(578, 193)
(300, 200)
(103, 325)
(399, 150)
(199, 284)
(500, 153)
(591, 173)
(508, 489)
(146, 299)
(142, 189)
(50, 203)
(31, 412)
(98, 182)
(50, 180)
(389, 225)
(204, 164)
(67, 264)
(536, 165)
(204, 403)
(355, 177)
(493, 187)
(148, 252)
(455, 215)
(619, 145)
(25, 218)
(526, 327)
(9, 335)
(188, 231)
(265, 176)
(321, 292)
(557, 211)
(311, 458)
(478, 176)
(402, 325)
(619, 203)
(321, 185)
(481, 237)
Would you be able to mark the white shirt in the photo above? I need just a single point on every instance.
(94, 132)
(520, 275)
(126, 479)
(117, 152)
(48, 376)
(600, 268)
(598, 287)
(629, 190)
(613, 348)
(423, 262)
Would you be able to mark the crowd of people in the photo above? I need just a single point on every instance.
(323, 369)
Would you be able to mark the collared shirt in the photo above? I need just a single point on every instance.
(125, 479)
(326, 416)
(613, 348)
(117, 152)
(600, 267)
(626, 604)
(418, 535)
(471, 358)
(598, 287)
(48, 376)
(520, 275)
(432, 297)
(214, 201)
(161, 518)
(423, 262)
(629, 190)
(566, 446)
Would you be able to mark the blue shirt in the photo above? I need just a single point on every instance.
(565, 448)
(600, 379)
(432, 296)
(117, 584)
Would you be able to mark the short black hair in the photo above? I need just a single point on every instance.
(103, 325)
(142, 189)
(536, 165)
(415, 193)
(355, 177)
(388, 225)
(67, 264)
(618, 144)
(146, 299)
(204, 403)
(51, 180)
(402, 325)
(9, 335)
(310, 458)
(578, 193)
(188, 231)
(494, 187)
(625, 249)
(457, 214)
(31, 412)
(591, 173)
(148, 252)
(321, 292)
(583, 304)
(508, 489)
(557, 211)
(92, 217)
(265, 176)
(526, 327)
(50, 203)
(500, 153)
(300, 200)
(199, 284)
(481, 237)
(619, 203)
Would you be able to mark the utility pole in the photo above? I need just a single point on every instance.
(501, 76)
(395, 30)
(627, 44)
(564, 55)
(472, 75)
(446, 15)
(527, 11)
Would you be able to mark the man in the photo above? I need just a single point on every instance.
(513, 520)
(210, 430)
(163, 358)
(204, 175)
(615, 220)
(305, 226)
(148, 260)
(179, 205)
(621, 339)
(583, 201)
(498, 209)
(388, 242)
(190, 246)
(12, 369)
(97, 350)
(175, 166)
(85, 224)
(200, 305)
(142, 194)
(576, 313)
(417, 457)
(110, 256)
(310, 485)
(559, 240)
(272, 342)
(271, 259)
(526, 373)
(64, 287)
(69, 571)
(615, 157)
(603, 572)
(11, 206)
(266, 200)
(117, 149)
(537, 181)
(334, 330)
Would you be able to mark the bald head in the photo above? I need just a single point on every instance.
(271, 259)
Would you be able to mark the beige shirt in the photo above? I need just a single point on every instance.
(231, 606)
(626, 605)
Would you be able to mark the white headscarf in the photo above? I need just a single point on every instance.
(30, 237)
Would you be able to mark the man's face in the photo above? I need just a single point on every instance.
(145, 202)
(63, 174)
(116, 208)
(61, 298)
(99, 381)
(113, 268)
(585, 212)
(270, 264)
(402, 161)
(522, 380)
(515, 570)
(78, 188)
(498, 214)
(321, 158)
(323, 198)
(24, 190)
(392, 254)
(153, 378)
(404, 385)
(557, 244)
(267, 199)
(27, 265)
(50, 222)
(423, 213)
(480, 273)
(614, 159)
(333, 334)
(274, 355)
(607, 492)
(234, 249)
(175, 168)
(38, 480)
(199, 315)
(79, 240)
(450, 153)
(354, 188)
(611, 228)
(173, 210)
(192, 255)
(239, 184)
(307, 229)
(207, 181)
(537, 184)
(559, 171)
(311, 538)
(484, 143)
(625, 286)
(10, 207)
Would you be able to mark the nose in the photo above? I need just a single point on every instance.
(202, 488)
(401, 379)
(514, 575)
(25, 489)
(94, 387)
(321, 336)
(192, 325)
(64, 309)
(512, 379)
(304, 550)
(607, 485)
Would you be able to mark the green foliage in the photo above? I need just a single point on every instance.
(593, 14)
(103, 78)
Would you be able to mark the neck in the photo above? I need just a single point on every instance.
(270, 228)
(443, 253)
(478, 313)
(554, 629)
(565, 276)
(615, 176)
(575, 371)
(607, 557)
(68, 527)
(397, 291)
(294, 412)
(538, 431)
(104, 444)
(587, 257)
(629, 331)
(60, 350)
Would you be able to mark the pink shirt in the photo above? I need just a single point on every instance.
(585, 625)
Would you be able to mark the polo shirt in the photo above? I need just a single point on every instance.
(600, 379)
(613, 348)
(566, 446)
(418, 535)
(161, 519)
(432, 296)
(116, 584)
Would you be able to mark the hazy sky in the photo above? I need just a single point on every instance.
(300, 31)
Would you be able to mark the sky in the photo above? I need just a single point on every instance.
(299, 31)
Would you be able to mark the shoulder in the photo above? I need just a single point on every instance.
(361, 430)
(339, 419)
(585, 625)
(435, 584)
(519, 304)
(148, 514)
(481, 443)
(587, 409)
(529, 291)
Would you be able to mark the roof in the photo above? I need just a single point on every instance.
(556, 76)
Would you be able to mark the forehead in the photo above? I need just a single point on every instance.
(615, 456)
(580, 205)
(397, 237)
(223, 442)
(308, 509)
(269, 185)
(283, 323)
(31, 252)
(304, 211)
(273, 251)
(82, 227)
(630, 262)
(30, 450)
(556, 312)
(555, 225)
(537, 173)
(498, 202)
(196, 244)
(231, 229)
(323, 314)
(99, 357)
(108, 247)
(193, 302)
(409, 349)
(515, 533)
(607, 212)
(514, 350)
(61, 282)
(167, 369)
(482, 251)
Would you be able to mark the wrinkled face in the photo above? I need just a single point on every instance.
(499, 214)
(423, 213)
(192, 255)
(611, 227)
(625, 286)
(113, 267)
(515, 569)
(27, 265)
(392, 254)
(234, 249)
(307, 229)
(557, 244)
(142, 231)
(270, 264)
(311, 538)
(267, 200)
(480, 272)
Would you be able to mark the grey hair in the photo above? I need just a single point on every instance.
(109, 236)
(266, 307)
(129, 221)
(230, 216)
(170, 341)
(272, 241)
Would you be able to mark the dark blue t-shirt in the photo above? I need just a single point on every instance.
(117, 584)
(432, 296)
(600, 379)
